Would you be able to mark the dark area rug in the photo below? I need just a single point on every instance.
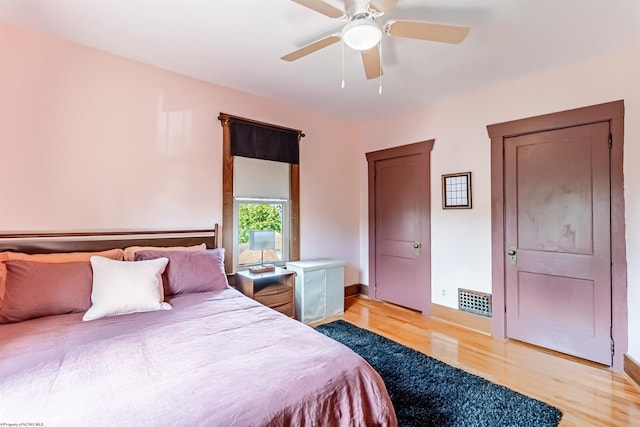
(427, 392)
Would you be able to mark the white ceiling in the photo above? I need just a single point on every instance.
(238, 43)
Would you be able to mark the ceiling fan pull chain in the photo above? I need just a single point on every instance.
(380, 52)
(342, 63)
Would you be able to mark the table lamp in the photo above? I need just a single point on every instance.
(260, 241)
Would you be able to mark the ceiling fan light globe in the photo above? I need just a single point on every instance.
(361, 34)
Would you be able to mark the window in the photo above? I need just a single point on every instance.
(260, 215)
(261, 177)
(261, 191)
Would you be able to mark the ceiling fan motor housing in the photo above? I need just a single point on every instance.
(357, 7)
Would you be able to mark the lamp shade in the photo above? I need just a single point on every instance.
(361, 34)
(262, 240)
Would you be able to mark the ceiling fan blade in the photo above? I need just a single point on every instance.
(382, 5)
(321, 7)
(371, 61)
(427, 31)
(310, 48)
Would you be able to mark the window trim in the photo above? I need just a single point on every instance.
(227, 198)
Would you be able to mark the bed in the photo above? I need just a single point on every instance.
(201, 355)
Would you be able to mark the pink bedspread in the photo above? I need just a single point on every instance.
(216, 359)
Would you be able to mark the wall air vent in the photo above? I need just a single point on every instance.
(474, 302)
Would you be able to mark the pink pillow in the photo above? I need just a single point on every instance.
(53, 258)
(36, 289)
(189, 272)
(3, 277)
(58, 257)
(130, 252)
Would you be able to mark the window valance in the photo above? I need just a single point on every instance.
(264, 141)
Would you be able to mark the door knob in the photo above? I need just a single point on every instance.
(416, 247)
(511, 255)
(511, 252)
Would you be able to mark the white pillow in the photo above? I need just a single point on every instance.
(121, 287)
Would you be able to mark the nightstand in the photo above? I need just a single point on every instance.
(275, 289)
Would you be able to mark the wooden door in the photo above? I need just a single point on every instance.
(557, 237)
(399, 226)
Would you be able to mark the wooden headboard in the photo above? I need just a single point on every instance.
(89, 242)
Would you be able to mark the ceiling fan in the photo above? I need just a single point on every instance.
(363, 33)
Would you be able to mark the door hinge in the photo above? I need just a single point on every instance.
(613, 347)
(610, 140)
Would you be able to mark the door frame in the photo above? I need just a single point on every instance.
(612, 112)
(424, 149)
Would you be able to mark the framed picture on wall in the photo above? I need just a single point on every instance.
(456, 190)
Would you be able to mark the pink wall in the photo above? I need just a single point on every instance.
(92, 141)
(461, 239)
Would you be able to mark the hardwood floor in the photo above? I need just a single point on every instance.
(588, 394)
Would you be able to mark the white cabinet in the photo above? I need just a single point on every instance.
(319, 289)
